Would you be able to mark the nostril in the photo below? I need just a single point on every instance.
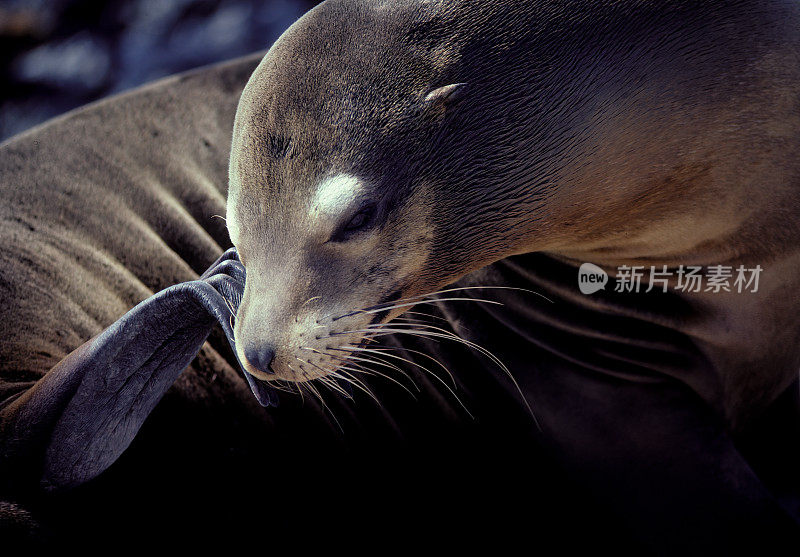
(260, 357)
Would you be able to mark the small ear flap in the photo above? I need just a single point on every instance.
(438, 101)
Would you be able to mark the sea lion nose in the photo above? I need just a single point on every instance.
(260, 357)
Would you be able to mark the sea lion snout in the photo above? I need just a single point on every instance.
(260, 357)
(289, 329)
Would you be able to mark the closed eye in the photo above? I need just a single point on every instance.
(358, 221)
(362, 220)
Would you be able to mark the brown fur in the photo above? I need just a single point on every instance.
(631, 131)
(674, 133)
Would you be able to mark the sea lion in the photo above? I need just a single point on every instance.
(406, 144)
(109, 204)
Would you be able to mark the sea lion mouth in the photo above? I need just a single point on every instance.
(265, 394)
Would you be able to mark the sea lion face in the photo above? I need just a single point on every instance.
(317, 276)
(382, 150)
(330, 203)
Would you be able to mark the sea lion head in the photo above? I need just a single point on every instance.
(382, 150)
(334, 204)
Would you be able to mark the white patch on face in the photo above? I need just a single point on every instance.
(230, 219)
(335, 194)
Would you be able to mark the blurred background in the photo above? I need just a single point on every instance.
(56, 55)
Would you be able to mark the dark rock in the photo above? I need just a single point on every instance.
(81, 64)
(58, 54)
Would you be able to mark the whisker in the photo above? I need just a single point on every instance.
(376, 373)
(395, 304)
(309, 301)
(352, 357)
(325, 381)
(411, 312)
(361, 385)
(334, 387)
(432, 374)
(451, 390)
(487, 287)
(278, 387)
(357, 383)
(440, 364)
(341, 378)
(325, 406)
(403, 318)
(379, 361)
(369, 372)
(409, 320)
(298, 385)
(452, 336)
(411, 304)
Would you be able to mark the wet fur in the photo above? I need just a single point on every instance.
(638, 398)
(628, 132)
(631, 132)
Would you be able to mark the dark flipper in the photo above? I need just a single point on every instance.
(80, 417)
(227, 276)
